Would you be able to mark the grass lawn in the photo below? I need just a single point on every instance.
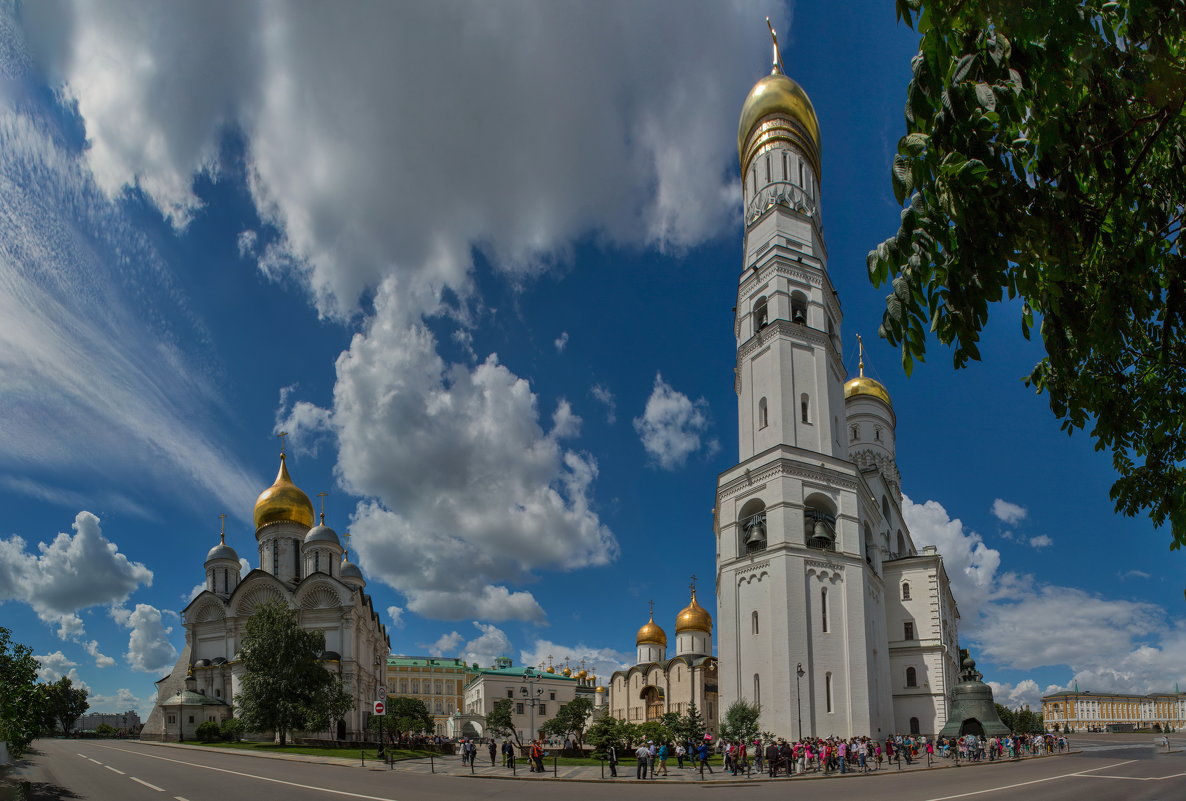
(313, 750)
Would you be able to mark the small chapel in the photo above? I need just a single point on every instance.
(302, 565)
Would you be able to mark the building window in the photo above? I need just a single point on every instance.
(753, 180)
(754, 621)
(798, 308)
(905, 590)
(551, 696)
(767, 169)
(510, 693)
(784, 165)
(403, 686)
(914, 728)
(804, 407)
(911, 677)
(908, 633)
(760, 314)
(543, 710)
(217, 693)
(855, 433)
(877, 433)
(316, 561)
(296, 559)
(828, 689)
(885, 513)
(275, 557)
(801, 173)
(763, 420)
(415, 686)
(823, 608)
(901, 545)
(519, 708)
(191, 718)
(757, 691)
(172, 718)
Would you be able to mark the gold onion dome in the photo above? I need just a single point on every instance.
(283, 501)
(863, 385)
(778, 98)
(651, 633)
(550, 669)
(694, 617)
(567, 671)
(582, 674)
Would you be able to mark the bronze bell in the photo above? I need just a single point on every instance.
(973, 710)
(822, 532)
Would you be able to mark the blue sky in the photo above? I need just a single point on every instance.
(480, 261)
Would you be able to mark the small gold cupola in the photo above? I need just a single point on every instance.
(693, 617)
(651, 633)
(283, 502)
(865, 386)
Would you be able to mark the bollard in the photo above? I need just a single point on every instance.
(363, 755)
(431, 763)
(471, 766)
(513, 771)
(554, 775)
(603, 767)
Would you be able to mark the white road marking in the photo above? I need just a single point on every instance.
(84, 756)
(97, 762)
(263, 778)
(1140, 778)
(179, 798)
(120, 772)
(1035, 781)
(146, 784)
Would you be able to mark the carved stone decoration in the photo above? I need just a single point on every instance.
(780, 193)
(258, 596)
(209, 611)
(321, 596)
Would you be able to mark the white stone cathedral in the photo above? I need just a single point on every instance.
(300, 565)
(816, 568)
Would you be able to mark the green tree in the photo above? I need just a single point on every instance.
(284, 687)
(1043, 163)
(232, 729)
(404, 715)
(208, 731)
(1007, 717)
(63, 703)
(106, 730)
(499, 722)
(20, 699)
(570, 720)
(691, 725)
(741, 721)
(607, 731)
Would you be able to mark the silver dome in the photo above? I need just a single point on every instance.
(322, 533)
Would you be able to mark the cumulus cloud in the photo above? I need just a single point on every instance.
(604, 396)
(561, 342)
(971, 565)
(396, 613)
(123, 700)
(491, 643)
(1024, 693)
(464, 490)
(1040, 541)
(149, 649)
(446, 645)
(598, 661)
(671, 425)
(101, 659)
(54, 665)
(71, 573)
(1009, 513)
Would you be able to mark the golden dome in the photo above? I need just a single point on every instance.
(283, 501)
(776, 95)
(863, 385)
(567, 671)
(550, 669)
(600, 690)
(694, 617)
(582, 674)
(651, 633)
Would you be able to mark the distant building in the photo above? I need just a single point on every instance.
(126, 722)
(537, 696)
(1083, 711)
(439, 683)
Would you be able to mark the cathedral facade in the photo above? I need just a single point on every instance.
(828, 615)
(301, 565)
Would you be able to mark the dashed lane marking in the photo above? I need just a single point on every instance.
(1139, 778)
(260, 778)
(113, 770)
(146, 784)
(1035, 781)
(97, 762)
(179, 798)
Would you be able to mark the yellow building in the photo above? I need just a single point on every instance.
(1089, 711)
(439, 683)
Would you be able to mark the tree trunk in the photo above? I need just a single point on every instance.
(283, 737)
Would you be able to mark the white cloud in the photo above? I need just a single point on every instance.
(971, 565)
(396, 613)
(446, 645)
(1009, 513)
(561, 342)
(671, 425)
(1025, 693)
(465, 490)
(101, 660)
(53, 666)
(604, 396)
(598, 661)
(122, 701)
(487, 646)
(149, 649)
(1041, 541)
(1135, 574)
(71, 573)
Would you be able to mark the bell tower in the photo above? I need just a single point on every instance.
(790, 566)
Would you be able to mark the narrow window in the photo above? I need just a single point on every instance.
(172, 718)
(275, 557)
(551, 696)
(767, 169)
(908, 630)
(753, 177)
(914, 727)
(803, 407)
(217, 693)
(901, 544)
(877, 433)
(296, 559)
(823, 607)
(784, 165)
(316, 561)
(754, 622)
(510, 693)
(519, 708)
(828, 689)
(762, 415)
(757, 691)
(801, 172)
(543, 709)
(905, 590)
(855, 433)
(885, 512)
(911, 677)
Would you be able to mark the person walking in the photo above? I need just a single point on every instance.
(662, 756)
(643, 755)
(680, 753)
(652, 753)
(772, 758)
(493, 749)
(508, 754)
(537, 757)
(702, 757)
(611, 755)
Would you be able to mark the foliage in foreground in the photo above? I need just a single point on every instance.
(1043, 161)
(20, 700)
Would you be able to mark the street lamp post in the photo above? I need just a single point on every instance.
(531, 697)
(382, 693)
(799, 673)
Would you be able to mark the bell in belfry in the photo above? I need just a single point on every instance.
(822, 531)
(973, 710)
(755, 532)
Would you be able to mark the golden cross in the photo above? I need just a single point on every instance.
(281, 437)
(346, 537)
(323, 496)
(861, 356)
(652, 605)
(692, 586)
(774, 38)
(222, 529)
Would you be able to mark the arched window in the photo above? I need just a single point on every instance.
(805, 407)
(855, 433)
(784, 165)
(753, 181)
(823, 609)
(828, 689)
(798, 308)
(757, 691)
(767, 168)
(877, 433)
(831, 331)
(760, 314)
(911, 677)
(752, 528)
(901, 544)
(763, 419)
(801, 173)
(885, 510)
(754, 622)
(316, 561)
(914, 726)
(905, 590)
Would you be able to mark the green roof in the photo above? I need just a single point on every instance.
(191, 698)
(424, 661)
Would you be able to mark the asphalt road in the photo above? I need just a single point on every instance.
(1124, 769)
